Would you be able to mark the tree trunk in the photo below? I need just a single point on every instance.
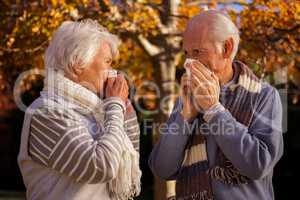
(165, 78)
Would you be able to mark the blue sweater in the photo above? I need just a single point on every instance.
(253, 150)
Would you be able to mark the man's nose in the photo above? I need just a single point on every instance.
(190, 56)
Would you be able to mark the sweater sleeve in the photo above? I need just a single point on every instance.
(61, 141)
(256, 149)
(132, 128)
(168, 153)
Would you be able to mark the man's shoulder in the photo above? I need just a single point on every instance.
(268, 94)
(267, 90)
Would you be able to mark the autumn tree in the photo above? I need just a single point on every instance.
(150, 31)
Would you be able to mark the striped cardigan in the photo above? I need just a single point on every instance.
(60, 139)
(68, 152)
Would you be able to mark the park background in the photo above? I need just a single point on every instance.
(150, 31)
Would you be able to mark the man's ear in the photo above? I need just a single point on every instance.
(228, 48)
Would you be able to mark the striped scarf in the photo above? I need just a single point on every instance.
(127, 183)
(193, 181)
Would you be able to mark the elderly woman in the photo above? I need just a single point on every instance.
(80, 138)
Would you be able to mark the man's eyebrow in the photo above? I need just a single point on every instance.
(199, 49)
(196, 50)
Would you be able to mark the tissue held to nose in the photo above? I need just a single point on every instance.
(112, 73)
(187, 69)
(201, 67)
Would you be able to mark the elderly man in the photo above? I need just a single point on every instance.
(228, 136)
(80, 138)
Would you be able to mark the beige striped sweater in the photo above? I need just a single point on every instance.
(76, 153)
(61, 139)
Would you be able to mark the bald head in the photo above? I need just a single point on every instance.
(203, 19)
(212, 39)
(213, 26)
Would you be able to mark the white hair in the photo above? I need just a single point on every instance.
(76, 43)
(222, 28)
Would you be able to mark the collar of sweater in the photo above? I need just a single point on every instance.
(243, 77)
(234, 78)
(56, 84)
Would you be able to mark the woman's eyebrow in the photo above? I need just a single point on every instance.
(108, 57)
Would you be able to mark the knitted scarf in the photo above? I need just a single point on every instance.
(127, 183)
(194, 179)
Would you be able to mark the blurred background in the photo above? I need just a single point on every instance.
(150, 31)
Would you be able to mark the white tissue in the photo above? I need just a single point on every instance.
(188, 70)
(112, 73)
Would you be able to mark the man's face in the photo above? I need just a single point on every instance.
(95, 74)
(198, 46)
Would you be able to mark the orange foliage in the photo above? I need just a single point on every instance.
(269, 32)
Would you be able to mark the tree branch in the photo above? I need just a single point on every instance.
(288, 30)
(203, 2)
(151, 49)
(14, 50)
(179, 16)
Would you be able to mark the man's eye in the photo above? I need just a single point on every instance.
(195, 52)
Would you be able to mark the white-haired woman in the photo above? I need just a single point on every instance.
(80, 138)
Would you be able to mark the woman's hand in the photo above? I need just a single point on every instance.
(117, 87)
(129, 107)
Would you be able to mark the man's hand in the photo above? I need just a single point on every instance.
(117, 87)
(189, 110)
(205, 86)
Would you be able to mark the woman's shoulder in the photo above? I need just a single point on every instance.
(54, 110)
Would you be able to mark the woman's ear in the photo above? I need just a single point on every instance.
(77, 70)
(77, 67)
(228, 48)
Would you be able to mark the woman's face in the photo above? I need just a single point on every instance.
(94, 75)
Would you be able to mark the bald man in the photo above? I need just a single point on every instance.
(224, 136)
